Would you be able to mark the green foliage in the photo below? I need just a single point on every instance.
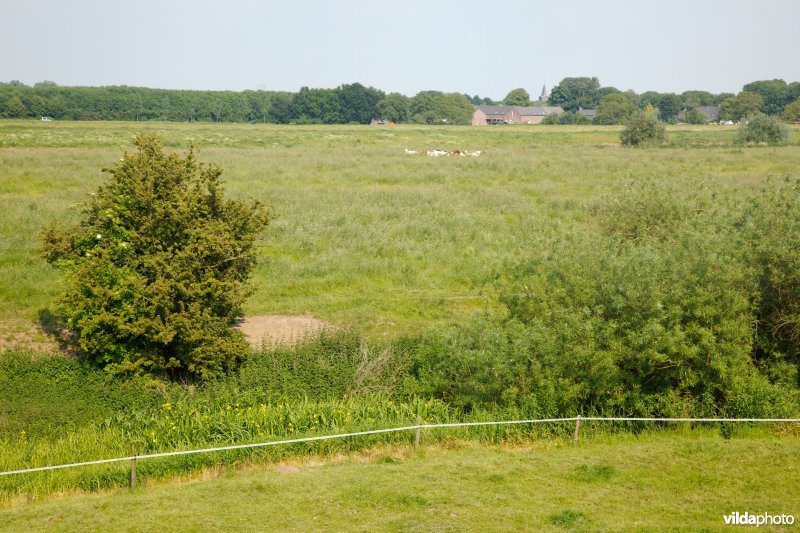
(650, 98)
(721, 97)
(574, 93)
(769, 227)
(359, 103)
(567, 117)
(602, 92)
(741, 106)
(316, 106)
(14, 108)
(669, 105)
(333, 366)
(434, 107)
(157, 270)
(615, 108)
(518, 97)
(774, 94)
(792, 112)
(659, 319)
(395, 107)
(693, 116)
(692, 99)
(44, 397)
(764, 129)
(643, 129)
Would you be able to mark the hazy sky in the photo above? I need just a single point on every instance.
(479, 47)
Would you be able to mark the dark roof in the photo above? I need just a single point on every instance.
(535, 111)
(494, 109)
(711, 111)
(587, 112)
(539, 111)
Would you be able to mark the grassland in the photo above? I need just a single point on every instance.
(362, 233)
(683, 480)
(395, 248)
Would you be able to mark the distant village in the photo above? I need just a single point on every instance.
(489, 115)
(574, 100)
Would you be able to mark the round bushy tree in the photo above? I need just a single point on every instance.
(764, 129)
(792, 112)
(643, 128)
(158, 268)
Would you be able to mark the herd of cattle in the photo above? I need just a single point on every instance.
(438, 153)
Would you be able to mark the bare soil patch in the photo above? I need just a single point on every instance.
(272, 330)
(25, 335)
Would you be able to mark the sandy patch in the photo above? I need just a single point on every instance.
(279, 329)
(25, 335)
(271, 330)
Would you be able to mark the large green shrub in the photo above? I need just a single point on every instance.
(764, 129)
(767, 232)
(157, 270)
(642, 129)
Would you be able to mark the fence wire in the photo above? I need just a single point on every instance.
(415, 427)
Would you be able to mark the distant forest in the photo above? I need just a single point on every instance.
(356, 104)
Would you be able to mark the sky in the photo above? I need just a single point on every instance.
(475, 47)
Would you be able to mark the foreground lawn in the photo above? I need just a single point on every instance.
(653, 482)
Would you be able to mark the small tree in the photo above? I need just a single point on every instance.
(614, 109)
(695, 116)
(792, 112)
(764, 129)
(157, 270)
(643, 129)
(518, 96)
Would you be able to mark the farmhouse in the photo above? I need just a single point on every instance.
(711, 111)
(503, 114)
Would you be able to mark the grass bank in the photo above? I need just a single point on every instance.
(683, 480)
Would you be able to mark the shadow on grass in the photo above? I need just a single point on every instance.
(55, 327)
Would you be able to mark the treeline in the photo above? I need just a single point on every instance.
(613, 106)
(346, 104)
(356, 104)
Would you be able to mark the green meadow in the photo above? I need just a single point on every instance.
(555, 274)
(362, 233)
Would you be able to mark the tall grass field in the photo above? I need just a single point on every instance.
(558, 273)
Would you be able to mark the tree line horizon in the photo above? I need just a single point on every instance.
(358, 104)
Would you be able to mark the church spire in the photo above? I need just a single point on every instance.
(544, 95)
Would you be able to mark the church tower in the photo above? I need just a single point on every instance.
(544, 95)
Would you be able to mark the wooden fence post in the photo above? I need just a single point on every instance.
(577, 429)
(416, 436)
(133, 472)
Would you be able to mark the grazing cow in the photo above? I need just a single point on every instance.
(437, 153)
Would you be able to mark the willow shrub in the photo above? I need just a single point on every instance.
(643, 129)
(764, 129)
(652, 315)
(157, 269)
